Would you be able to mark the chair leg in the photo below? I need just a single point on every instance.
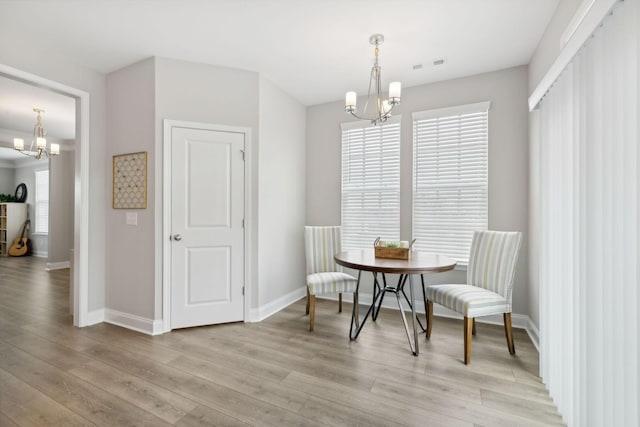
(307, 312)
(429, 317)
(468, 327)
(340, 302)
(312, 311)
(509, 332)
(473, 329)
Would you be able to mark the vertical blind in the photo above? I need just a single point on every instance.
(370, 183)
(450, 178)
(589, 229)
(42, 202)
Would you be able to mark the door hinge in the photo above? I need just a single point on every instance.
(242, 222)
(242, 151)
(243, 291)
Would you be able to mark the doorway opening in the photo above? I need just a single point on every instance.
(80, 261)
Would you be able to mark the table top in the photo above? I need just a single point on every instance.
(419, 262)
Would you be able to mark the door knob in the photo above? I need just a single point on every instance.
(177, 237)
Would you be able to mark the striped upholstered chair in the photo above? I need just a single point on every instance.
(324, 276)
(490, 274)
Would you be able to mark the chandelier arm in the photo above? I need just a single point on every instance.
(366, 104)
(379, 91)
(373, 120)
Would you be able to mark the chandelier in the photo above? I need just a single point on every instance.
(383, 107)
(38, 145)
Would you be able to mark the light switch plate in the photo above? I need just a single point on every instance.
(132, 218)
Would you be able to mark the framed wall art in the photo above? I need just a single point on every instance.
(130, 181)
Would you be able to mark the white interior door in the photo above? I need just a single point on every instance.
(207, 230)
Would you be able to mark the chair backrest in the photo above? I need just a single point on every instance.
(492, 261)
(321, 244)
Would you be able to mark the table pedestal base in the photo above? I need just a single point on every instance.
(379, 292)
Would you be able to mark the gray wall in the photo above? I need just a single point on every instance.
(549, 46)
(139, 98)
(130, 269)
(61, 181)
(207, 94)
(31, 55)
(6, 180)
(508, 157)
(281, 194)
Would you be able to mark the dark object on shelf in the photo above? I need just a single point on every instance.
(21, 193)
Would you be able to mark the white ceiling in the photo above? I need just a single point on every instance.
(17, 101)
(10, 154)
(315, 50)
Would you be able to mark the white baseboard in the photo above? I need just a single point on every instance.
(40, 254)
(57, 265)
(520, 321)
(95, 316)
(133, 322)
(270, 308)
(534, 334)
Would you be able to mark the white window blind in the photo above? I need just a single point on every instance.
(450, 178)
(370, 183)
(42, 202)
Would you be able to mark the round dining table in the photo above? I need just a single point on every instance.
(418, 263)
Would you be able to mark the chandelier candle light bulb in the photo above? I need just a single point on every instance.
(18, 144)
(394, 91)
(350, 101)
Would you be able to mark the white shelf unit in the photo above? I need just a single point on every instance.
(12, 218)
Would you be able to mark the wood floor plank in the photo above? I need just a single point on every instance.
(265, 390)
(465, 410)
(156, 400)
(203, 416)
(274, 372)
(53, 353)
(6, 422)
(393, 411)
(22, 404)
(79, 396)
(336, 414)
(61, 333)
(223, 399)
(132, 341)
(516, 405)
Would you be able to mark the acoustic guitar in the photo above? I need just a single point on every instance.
(20, 246)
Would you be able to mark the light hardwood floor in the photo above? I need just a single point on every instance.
(271, 373)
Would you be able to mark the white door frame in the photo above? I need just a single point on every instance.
(166, 211)
(81, 199)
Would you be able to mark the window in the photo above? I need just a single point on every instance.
(370, 183)
(450, 178)
(42, 202)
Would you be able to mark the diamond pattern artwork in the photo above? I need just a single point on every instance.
(130, 181)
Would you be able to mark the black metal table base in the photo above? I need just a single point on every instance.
(379, 292)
